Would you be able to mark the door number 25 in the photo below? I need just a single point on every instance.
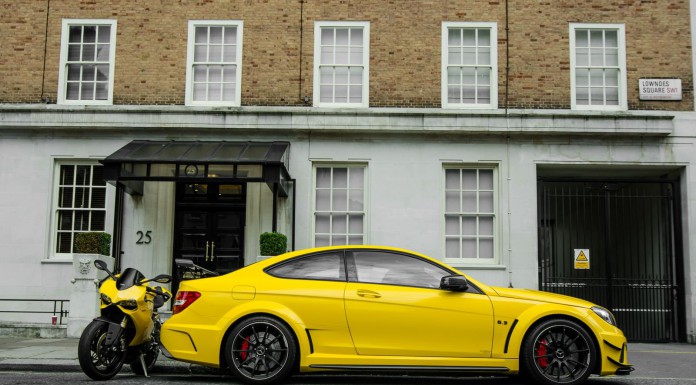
(144, 238)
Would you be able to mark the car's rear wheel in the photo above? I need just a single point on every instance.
(558, 351)
(261, 350)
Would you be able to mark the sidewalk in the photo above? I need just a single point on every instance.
(60, 354)
(652, 361)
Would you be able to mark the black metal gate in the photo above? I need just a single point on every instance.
(628, 232)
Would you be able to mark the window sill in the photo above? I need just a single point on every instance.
(57, 261)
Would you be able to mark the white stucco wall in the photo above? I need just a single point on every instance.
(404, 183)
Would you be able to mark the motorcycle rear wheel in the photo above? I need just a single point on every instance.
(151, 354)
(98, 361)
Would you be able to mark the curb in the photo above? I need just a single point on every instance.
(74, 366)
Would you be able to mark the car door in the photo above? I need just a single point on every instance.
(395, 307)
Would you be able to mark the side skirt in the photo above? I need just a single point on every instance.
(408, 368)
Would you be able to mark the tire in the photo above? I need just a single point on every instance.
(261, 350)
(151, 351)
(558, 351)
(96, 361)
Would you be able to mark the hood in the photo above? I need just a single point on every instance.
(542, 296)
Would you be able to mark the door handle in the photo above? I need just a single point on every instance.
(369, 294)
(212, 252)
(207, 244)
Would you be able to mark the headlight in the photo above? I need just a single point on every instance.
(605, 315)
(105, 299)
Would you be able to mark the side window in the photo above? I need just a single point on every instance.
(396, 269)
(328, 266)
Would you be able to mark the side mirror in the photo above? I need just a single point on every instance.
(454, 283)
(162, 278)
(101, 265)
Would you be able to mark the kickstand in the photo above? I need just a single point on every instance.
(142, 362)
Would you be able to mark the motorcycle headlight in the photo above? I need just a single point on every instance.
(605, 315)
(105, 299)
(128, 304)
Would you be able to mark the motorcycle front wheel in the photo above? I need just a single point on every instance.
(98, 361)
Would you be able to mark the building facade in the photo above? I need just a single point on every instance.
(544, 145)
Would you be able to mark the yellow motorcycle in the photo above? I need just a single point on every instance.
(129, 326)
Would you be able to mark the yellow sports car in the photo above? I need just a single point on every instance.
(383, 309)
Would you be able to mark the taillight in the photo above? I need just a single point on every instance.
(184, 299)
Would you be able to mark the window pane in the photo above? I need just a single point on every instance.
(468, 37)
(342, 36)
(452, 248)
(104, 34)
(89, 52)
(322, 240)
(454, 56)
(215, 35)
(486, 248)
(484, 37)
(357, 177)
(75, 34)
(323, 177)
(486, 226)
(339, 224)
(452, 179)
(452, 225)
(327, 36)
(452, 201)
(486, 202)
(469, 180)
(486, 179)
(323, 267)
(355, 224)
(323, 200)
(469, 226)
(356, 200)
(89, 34)
(581, 38)
(454, 36)
(396, 269)
(469, 248)
(340, 177)
(469, 202)
(356, 37)
(323, 224)
(611, 39)
(340, 197)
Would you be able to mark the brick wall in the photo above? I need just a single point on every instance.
(405, 67)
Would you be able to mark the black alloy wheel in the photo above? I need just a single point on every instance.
(558, 351)
(97, 360)
(261, 350)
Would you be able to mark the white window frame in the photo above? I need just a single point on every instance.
(239, 24)
(365, 209)
(495, 261)
(55, 217)
(318, 26)
(493, 28)
(62, 70)
(622, 89)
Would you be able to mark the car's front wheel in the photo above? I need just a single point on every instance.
(261, 350)
(558, 351)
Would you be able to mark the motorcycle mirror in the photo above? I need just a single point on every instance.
(101, 265)
(163, 278)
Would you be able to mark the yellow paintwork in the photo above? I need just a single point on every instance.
(397, 326)
(140, 317)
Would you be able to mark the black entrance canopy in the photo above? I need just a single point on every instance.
(196, 161)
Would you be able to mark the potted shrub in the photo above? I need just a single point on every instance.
(93, 243)
(271, 244)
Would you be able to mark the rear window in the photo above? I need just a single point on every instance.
(327, 266)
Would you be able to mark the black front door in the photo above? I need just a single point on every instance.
(209, 228)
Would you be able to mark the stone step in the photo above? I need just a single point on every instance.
(33, 330)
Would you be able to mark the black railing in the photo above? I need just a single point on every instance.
(59, 308)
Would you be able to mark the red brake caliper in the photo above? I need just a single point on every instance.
(541, 351)
(245, 347)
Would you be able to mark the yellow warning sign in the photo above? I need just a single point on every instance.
(581, 258)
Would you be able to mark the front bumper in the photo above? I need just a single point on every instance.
(616, 353)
